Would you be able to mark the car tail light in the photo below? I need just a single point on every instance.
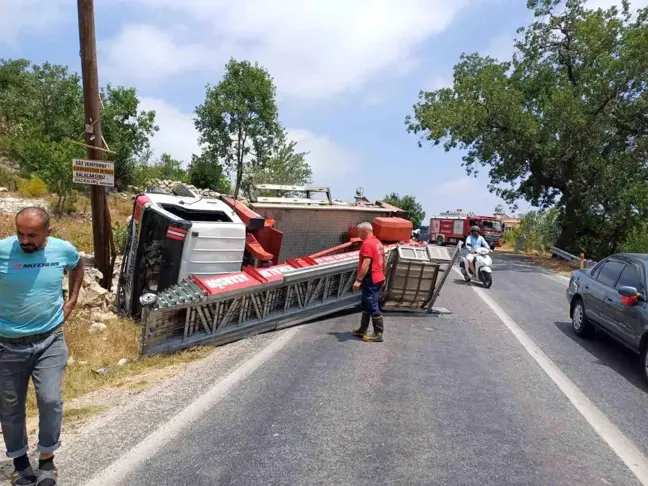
(630, 301)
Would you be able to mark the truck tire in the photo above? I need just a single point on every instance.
(182, 190)
(155, 190)
(439, 240)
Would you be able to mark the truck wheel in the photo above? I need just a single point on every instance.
(183, 191)
(439, 240)
(580, 323)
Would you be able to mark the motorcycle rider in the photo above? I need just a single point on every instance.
(474, 241)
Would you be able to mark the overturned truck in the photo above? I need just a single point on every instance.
(199, 270)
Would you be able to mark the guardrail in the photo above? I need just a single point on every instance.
(577, 261)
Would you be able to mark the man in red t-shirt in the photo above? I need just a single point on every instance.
(371, 277)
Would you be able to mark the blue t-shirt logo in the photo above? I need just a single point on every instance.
(31, 286)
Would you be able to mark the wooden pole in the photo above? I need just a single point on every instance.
(93, 138)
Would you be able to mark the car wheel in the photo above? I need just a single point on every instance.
(644, 362)
(580, 323)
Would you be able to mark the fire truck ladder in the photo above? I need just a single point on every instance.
(226, 308)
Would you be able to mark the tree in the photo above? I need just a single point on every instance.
(283, 166)
(561, 125)
(499, 210)
(238, 122)
(126, 129)
(170, 168)
(408, 204)
(208, 174)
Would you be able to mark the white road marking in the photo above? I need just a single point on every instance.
(619, 443)
(118, 470)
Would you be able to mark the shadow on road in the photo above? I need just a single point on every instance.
(343, 337)
(338, 315)
(608, 353)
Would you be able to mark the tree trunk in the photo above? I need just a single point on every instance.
(569, 225)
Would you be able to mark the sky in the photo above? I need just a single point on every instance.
(347, 74)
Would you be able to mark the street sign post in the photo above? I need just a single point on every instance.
(93, 172)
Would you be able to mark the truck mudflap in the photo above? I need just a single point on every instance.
(225, 308)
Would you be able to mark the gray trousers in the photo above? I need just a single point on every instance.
(44, 361)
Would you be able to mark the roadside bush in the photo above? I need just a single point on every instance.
(637, 242)
(34, 187)
(120, 234)
(7, 179)
(538, 230)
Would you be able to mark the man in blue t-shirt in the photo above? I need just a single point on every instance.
(32, 312)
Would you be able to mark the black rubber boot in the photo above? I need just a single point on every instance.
(377, 336)
(364, 325)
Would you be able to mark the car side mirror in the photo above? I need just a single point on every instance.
(627, 291)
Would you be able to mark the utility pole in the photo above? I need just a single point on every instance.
(93, 138)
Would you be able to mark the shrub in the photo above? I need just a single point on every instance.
(7, 179)
(637, 241)
(120, 234)
(34, 187)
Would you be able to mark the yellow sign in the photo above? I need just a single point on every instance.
(94, 172)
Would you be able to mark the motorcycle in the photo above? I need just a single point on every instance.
(482, 263)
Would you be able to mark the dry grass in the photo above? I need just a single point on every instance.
(545, 261)
(96, 356)
(76, 228)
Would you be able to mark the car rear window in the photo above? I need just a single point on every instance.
(610, 272)
(629, 278)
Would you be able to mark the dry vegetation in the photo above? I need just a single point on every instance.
(95, 356)
(76, 228)
(545, 261)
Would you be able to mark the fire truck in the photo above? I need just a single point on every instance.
(451, 227)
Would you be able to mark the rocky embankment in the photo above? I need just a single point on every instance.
(93, 297)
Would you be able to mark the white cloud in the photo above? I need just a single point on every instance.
(17, 16)
(605, 4)
(329, 162)
(438, 82)
(148, 53)
(461, 185)
(177, 135)
(313, 49)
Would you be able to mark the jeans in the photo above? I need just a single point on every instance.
(370, 294)
(44, 361)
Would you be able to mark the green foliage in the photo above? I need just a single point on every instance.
(562, 124)
(41, 109)
(637, 240)
(283, 166)
(206, 173)
(408, 204)
(170, 168)
(8, 179)
(538, 231)
(126, 129)
(32, 187)
(238, 122)
(120, 234)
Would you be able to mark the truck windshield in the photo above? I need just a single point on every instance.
(492, 225)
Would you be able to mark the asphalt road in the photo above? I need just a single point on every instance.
(451, 400)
